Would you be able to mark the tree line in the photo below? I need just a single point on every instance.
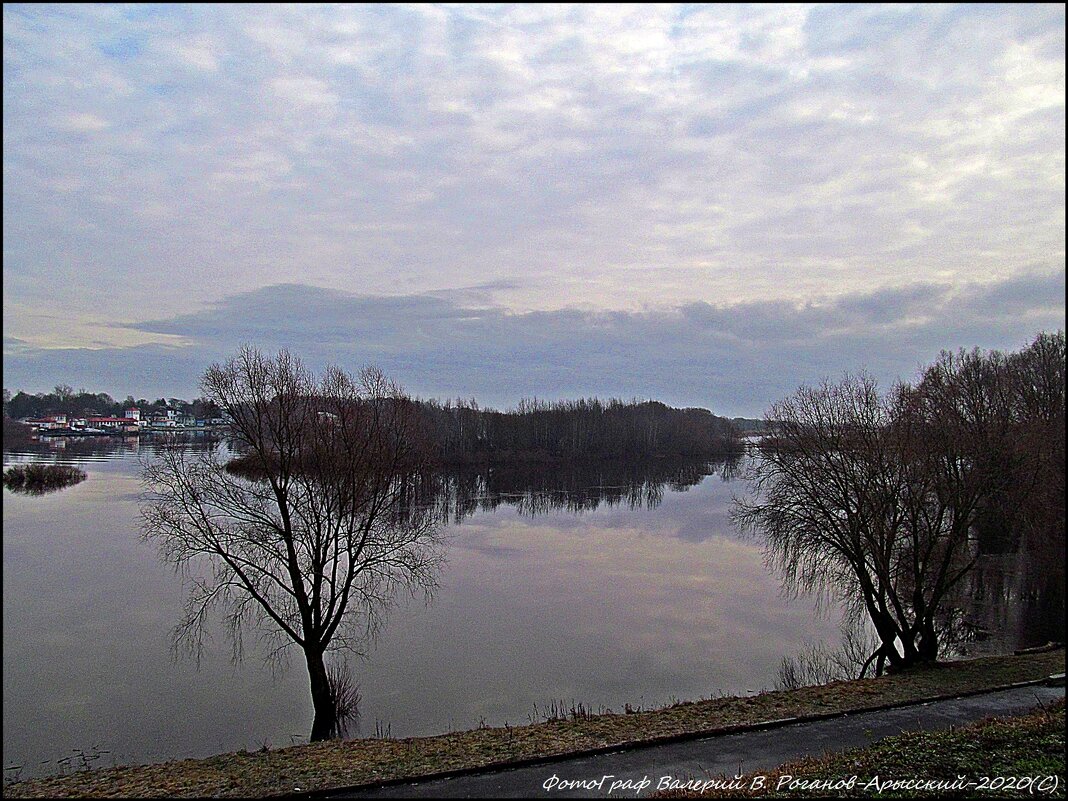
(886, 500)
(63, 399)
(589, 428)
(460, 432)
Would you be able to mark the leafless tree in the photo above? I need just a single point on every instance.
(313, 537)
(824, 499)
(878, 500)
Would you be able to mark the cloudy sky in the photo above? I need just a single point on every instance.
(707, 205)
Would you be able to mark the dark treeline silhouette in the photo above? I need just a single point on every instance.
(16, 433)
(456, 434)
(65, 400)
(462, 433)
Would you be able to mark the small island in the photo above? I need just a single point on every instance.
(37, 479)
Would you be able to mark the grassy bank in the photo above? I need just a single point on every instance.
(1025, 751)
(336, 764)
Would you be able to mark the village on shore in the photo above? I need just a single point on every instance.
(131, 423)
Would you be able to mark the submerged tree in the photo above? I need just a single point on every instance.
(826, 490)
(317, 532)
(879, 500)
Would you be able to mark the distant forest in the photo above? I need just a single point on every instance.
(460, 432)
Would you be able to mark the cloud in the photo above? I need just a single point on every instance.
(619, 158)
(733, 358)
(82, 123)
(303, 91)
(198, 54)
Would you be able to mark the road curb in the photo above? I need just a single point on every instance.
(667, 739)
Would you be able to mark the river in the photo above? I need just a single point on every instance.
(602, 588)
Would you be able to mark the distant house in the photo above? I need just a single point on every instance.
(133, 413)
(116, 423)
(47, 423)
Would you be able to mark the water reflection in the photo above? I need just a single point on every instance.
(536, 489)
(1012, 599)
(105, 448)
(40, 479)
(645, 594)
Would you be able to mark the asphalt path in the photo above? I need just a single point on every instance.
(716, 755)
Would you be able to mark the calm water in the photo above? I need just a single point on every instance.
(605, 589)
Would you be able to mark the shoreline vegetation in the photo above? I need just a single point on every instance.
(461, 433)
(342, 763)
(16, 433)
(583, 432)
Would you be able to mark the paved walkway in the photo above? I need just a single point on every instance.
(728, 754)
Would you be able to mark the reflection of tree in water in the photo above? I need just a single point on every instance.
(1013, 599)
(535, 489)
(39, 479)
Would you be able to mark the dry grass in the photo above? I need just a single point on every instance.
(343, 763)
(1018, 748)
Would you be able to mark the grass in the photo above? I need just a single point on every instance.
(1020, 756)
(343, 763)
(37, 479)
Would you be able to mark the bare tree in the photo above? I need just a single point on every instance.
(848, 506)
(316, 532)
(879, 500)
(824, 498)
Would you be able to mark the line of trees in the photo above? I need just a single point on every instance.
(589, 428)
(63, 399)
(459, 432)
(882, 500)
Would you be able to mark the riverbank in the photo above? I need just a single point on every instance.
(345, 763)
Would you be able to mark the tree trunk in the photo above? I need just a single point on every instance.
(324, 725)
(927, 648)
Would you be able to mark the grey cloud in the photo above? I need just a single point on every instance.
(538, 147)
(735, 359)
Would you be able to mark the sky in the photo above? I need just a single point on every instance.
(707, 205)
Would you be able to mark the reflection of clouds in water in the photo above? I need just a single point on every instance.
(608, 607)
(610, 614)
(488, 549)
